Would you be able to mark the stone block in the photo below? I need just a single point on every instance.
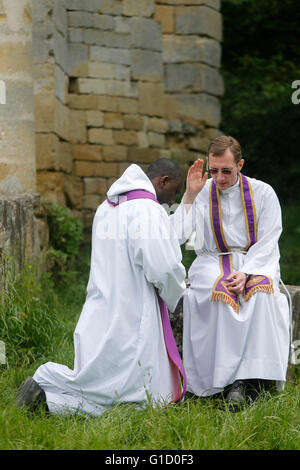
(100, 136)
(87, 152)
(164, 14)
(156, 140)
(77, 128)
(210, 3)
(107, 103)
(87, 5)
(106, 38)
(198, 20)
(105, 22)
(14, 57)
(122, 25)
(17, 141)
(143, 155)
(106, 169)
(87, 102)
(110, 7)
(199, 107)
(110, 55)
(95, 185)
(91, 201)
(113, 120)
(133, 121)
(74, 190)
(193, 77)
(47, 151)
(108, 71)
(143, 141)
(65, 157)
(140, 8)
(61, 83)
(94, 118)
(146, 65)
(157, 125)
(100, 86)
(44, 112)
(146, 34)
(182, 49)
(152, 99)
(85, 168)
(60, 48)
(125, 137)
(115, 153)
(80, 19)
(50, 185)
(128, 105)
(61, 120)
(78, 55)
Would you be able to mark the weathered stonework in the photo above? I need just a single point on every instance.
(23, 231)
(93, 86)
(111, 78)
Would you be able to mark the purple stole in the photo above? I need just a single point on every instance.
(255, 283)
(177, 369)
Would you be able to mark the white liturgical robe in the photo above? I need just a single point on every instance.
(219, 344)
(120, 354)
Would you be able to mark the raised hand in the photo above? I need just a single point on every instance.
(195, 181)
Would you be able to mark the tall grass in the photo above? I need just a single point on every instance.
(37, 323)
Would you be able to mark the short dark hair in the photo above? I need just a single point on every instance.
(164, 167)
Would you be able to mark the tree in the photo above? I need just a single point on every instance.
(261, 60)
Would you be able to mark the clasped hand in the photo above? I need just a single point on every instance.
(236, 282)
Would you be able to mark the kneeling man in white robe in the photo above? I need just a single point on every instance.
(124, 348)
(236, 320)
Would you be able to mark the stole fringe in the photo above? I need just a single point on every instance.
(221, 296)
(263, 288)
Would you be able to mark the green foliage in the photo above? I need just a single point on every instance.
(261, 59)
(65, 237)
(28, 323)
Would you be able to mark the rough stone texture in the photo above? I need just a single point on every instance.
(17, 139)
(93, 86)
(23, 230)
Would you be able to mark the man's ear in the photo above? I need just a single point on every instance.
(241, 164)
(164, 180)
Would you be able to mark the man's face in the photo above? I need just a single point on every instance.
(224, 162)
(168, 189)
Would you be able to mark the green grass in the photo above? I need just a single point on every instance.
(272, 422)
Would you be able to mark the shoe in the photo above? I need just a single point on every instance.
(31, 395)
(237, 393)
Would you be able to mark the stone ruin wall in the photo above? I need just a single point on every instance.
(117, 82)
(90, 87)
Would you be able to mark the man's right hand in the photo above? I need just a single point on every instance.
(194, 181)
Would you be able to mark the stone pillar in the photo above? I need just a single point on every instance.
(17, 133)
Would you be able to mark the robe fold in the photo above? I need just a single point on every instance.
(219, 344)
(120, 353)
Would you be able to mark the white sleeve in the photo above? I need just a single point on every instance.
(160, 256)
(263, 257)
(184, 222)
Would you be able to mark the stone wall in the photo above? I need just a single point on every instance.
(17, 137)
(118, 82)
(23, 231)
